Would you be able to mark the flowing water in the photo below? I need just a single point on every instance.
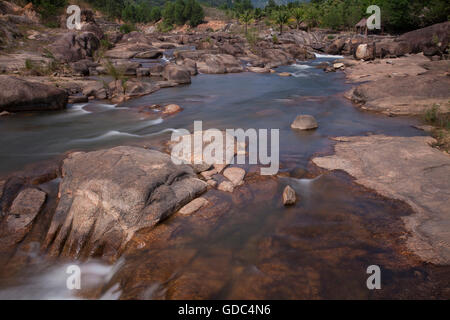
(245, 245)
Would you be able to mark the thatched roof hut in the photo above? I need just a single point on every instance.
(361, 26)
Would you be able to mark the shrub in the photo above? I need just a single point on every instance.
(127, 28)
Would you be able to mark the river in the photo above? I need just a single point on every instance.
(252, 247)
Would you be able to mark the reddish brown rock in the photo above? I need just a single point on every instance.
(24, 210)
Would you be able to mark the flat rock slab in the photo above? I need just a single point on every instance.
(24, 210)
(108, 195)
(194, 206)
(20, 95)
(408, 169)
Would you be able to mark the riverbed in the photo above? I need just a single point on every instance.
(246, 245)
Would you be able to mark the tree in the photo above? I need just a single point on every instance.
(179, 12)
(246, 18)
(155, 14)
(297, 13)
(281, 18)
(169, 13)
(197, 15)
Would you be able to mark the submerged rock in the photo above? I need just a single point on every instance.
(235, 175)
(289, 196)
(226, 186)
(171, 109)
(194, 206)
(108, 195)
(304, 122)
(408, 169)
(20, 95)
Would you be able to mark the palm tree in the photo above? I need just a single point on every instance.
(246, 18)
(281, 18)
(297, 13)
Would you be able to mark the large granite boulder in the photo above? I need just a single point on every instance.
(176, 73)
(219, 63)
(424, 40)
(21, 215)
(20, 95)
(108, 195)
(277, 57)
(365, 52)
(72, 47)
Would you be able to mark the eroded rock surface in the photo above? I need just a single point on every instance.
(21, 95)
(107, 195)
(413, 172)
(23, 211)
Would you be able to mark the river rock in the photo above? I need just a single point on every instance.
(190, 65)
(284, 74)
(304, 122)
(365, 52)
(407, 169)
(258, 69)
(207, 175)
(277, 57)
(424, 40)
(289, 196)
(171, 109)
(20, 95)
(194, 206)
(235, 175)
(24, 210)
(176, 73)
(151, 54)
(72, 47)
(101, 206)
(120, 53)
(405, 95)
(338, 65)
(219, 63)
(226, 186)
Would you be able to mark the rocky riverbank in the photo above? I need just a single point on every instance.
(409, 169)
(110, 201)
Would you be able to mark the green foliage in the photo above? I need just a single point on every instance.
(246, 18)
(49, 10)
(275, 39)
(29, 65)
(434, 117)
(298, 13)
(183, 11)
(281, 18)
(127, 28)
(112, 71)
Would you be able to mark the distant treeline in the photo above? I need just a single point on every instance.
(396, 15)
(174, 12)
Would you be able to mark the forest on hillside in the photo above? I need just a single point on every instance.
(397, 16)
